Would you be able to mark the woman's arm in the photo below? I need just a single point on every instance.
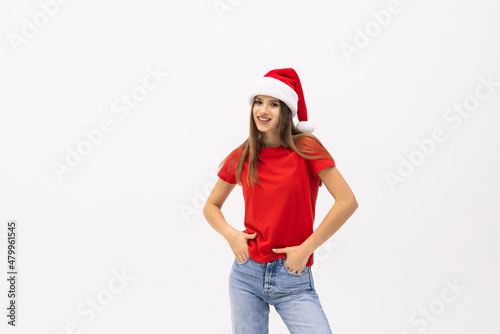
(344, 206)
(212, 211)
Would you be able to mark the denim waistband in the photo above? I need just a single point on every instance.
(279, 262)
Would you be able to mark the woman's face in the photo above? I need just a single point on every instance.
(266, 113)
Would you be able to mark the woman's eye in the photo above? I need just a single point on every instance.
(257, 102)
(274, 104)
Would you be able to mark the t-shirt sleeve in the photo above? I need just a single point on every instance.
(228, 170)
(314, 166)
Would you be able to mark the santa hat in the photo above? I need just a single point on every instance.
(284, 84)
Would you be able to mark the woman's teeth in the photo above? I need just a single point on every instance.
(263, 119)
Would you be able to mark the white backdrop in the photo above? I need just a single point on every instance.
(116, 114)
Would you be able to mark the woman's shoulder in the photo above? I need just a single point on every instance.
(236, 153)
(309, 141)
(313, 147)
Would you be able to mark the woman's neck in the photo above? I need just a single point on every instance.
(271, 139)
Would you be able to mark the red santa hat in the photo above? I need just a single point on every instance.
(284, 84)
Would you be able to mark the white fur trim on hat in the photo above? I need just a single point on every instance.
(277, 89)
(305, 127)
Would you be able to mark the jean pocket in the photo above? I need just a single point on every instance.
(304, 271)
(244, 262)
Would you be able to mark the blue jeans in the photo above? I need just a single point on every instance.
(253, 286)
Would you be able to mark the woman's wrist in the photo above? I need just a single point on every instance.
(307, 247)
(228, 232)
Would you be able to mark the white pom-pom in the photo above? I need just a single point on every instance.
(305, 127)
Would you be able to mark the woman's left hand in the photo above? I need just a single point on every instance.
(296, 259)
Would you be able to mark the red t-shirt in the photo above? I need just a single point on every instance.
(281, 209)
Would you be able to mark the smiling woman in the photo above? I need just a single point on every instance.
(266, 112)
(280, 168)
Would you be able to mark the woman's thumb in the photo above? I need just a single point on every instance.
(251, 236)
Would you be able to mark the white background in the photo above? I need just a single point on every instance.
(133, 204)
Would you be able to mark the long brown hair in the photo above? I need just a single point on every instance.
(289, 136)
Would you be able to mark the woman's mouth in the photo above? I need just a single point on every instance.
(263, 120)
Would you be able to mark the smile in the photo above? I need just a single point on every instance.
(263, 120)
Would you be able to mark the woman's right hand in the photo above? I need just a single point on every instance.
(238, 241)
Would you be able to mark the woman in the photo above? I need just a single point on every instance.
(280, 168)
